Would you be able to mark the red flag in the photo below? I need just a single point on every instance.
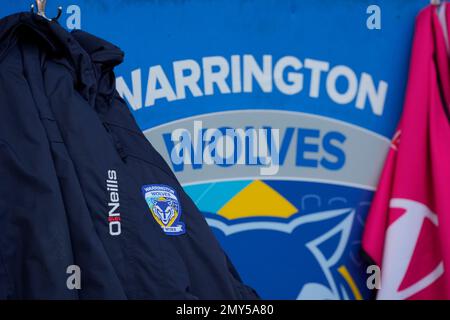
(407, 231)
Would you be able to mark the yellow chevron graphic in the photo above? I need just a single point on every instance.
(257, 200)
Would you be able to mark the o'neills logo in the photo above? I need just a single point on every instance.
(112, 185)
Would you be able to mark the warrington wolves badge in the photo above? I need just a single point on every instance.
(165, 208)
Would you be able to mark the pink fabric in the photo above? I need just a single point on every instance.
(407, 232)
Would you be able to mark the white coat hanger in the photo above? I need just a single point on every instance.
(440, 11)
(40, 4)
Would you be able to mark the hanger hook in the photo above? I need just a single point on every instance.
(41, 10)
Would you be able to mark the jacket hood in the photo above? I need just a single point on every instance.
(80, 48)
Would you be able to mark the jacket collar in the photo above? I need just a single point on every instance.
(80, 48)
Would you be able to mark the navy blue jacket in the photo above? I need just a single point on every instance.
(81, 185)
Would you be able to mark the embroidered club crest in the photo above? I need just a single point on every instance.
(165, 208)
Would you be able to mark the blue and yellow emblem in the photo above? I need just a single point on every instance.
(165, 208)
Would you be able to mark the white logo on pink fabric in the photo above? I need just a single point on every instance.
(413, 227)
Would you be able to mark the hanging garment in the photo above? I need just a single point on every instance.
(80, 184)
(408, 227)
